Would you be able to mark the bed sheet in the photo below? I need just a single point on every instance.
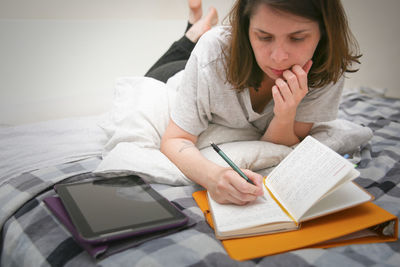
(31, 236)
(33, 146)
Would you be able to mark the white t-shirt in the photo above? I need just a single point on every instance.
(204, 96)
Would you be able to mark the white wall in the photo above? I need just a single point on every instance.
(376, 25)
(55, 68)
(59, 58)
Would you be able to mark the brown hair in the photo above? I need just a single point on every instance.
(337, 49)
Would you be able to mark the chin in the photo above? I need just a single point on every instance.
(272, 76)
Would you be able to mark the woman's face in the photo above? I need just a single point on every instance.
(281, 40)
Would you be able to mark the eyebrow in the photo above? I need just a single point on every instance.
(296, 32)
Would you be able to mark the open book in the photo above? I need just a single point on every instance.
(312, 181)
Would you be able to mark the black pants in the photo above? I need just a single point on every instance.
(173, 61)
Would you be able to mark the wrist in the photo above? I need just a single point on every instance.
(284, 120)
(281, 131)
(212, 176)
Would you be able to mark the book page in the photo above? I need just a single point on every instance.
(346, 196)
(229, 217)
(306, 175)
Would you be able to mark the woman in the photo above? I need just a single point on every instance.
(277, 68)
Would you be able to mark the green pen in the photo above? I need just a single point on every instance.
(346, 156)
(230, 162)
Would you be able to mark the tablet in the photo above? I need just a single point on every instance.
(112, 208)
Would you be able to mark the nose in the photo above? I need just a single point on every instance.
(279, 53)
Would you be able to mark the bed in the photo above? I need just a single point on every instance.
(34, 157)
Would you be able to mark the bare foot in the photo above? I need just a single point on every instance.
(195, 12)
(202, 25)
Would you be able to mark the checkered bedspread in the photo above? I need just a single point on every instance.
(32, 236)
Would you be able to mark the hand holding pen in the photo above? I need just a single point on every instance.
(236, 186)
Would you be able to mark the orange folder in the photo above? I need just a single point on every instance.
(337, 229)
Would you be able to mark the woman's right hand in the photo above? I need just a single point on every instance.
(229, 187)
(224, 184)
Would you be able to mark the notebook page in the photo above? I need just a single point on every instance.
(305, 175)
(229, 217)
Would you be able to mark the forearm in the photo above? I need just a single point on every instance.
(223, 184)
(281, 132)
(186, 156)
(287, 93)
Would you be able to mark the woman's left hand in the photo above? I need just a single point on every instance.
(288, 93)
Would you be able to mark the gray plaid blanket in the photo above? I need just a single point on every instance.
(32, 236)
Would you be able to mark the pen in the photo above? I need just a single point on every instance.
(346, 156)
(230, 162)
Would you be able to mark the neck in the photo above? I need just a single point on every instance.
(266, 84)
(261, 96)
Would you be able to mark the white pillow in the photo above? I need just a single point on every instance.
(252, 155)
(139, 118)
(141, 114)
(149, 163)
(342, 136)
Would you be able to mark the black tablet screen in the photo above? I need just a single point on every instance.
(115, 203)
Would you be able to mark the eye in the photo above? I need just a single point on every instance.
(264, 38)
(297, 39)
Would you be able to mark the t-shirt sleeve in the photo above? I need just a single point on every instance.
(321, 104)
(191, 110)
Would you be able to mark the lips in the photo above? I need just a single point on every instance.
(277, 72)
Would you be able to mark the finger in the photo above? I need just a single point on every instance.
(284, 89)
(242, 188)
(234, 196)
(235, 200)
(301, 77)
(307, 66)
(256, 178)
(278, 99)
(227, 199)
(291, 80)
(232, 188)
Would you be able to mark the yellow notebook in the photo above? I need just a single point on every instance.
(365, 223)
(312, 181)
